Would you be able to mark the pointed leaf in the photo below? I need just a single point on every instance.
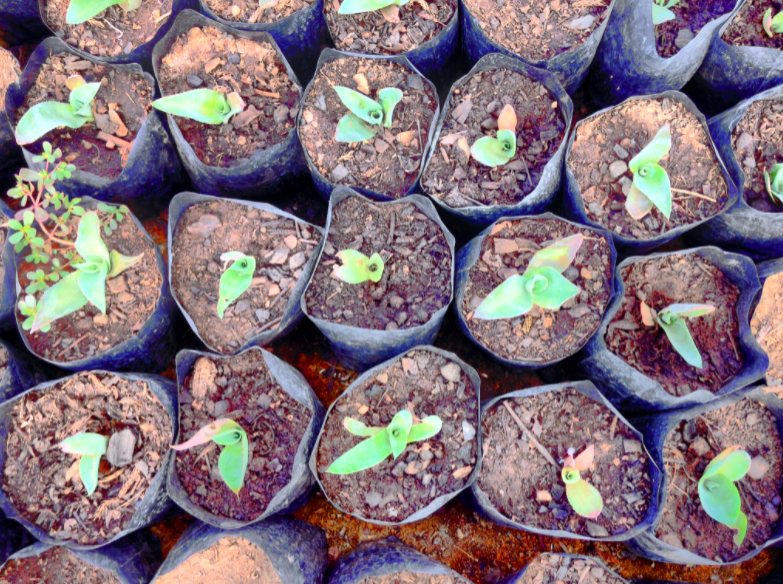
(85, 443)
(120, 263)
(661, 14)
(507, 120)
(558, 255)
(89, 243)
(364, 455)
(685, 311)
(203, 105)
(359, 429)
(558, 290)
(732, 463)
(81, 99)
(398, 430)
(637, 204)
(720, 499)
(656, 149)
(203, 436)
(389, 98)
(391, 13)
(494, 151)
(741, 525)
(681, 340)
(42, 118)
(88, 472)
(427, 428)
(232, 464)
(351, 128)
(766, 22)
(61, 299)
(229, 433)
(777, 22)
(585, 499)
(230, 256)
(358, 6)
(129, 5)
(649, 317)
(235, 281)
(653, 181)
(365, 108)
(93, 286)
(509, 300)
(81, 10)
(358, 268)
(584, 460)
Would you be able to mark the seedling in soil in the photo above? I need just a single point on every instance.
(80, 271)
(203, 105)
(235, 279)
(357, 268)
(90, 447)
(772, 24)
(717, 493)
(583, 497)
(82, 10)
(661, 12)
(773, 178)
(390, 9)
(44, 117)
(382, 442)
(651, 185)
(542, 283)
(498, 151)
(367, 115)
(232, 463)
(672, 320)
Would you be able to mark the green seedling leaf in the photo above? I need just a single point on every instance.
(558, 255)
(363, 107)
(509, 300)
(61, 299)
(42, 118)
(551, 290)
(653, 182)
(657, 148)
(671, 320)
(495, 151)
(203, 105)
(582, 496)
(357, 268)
(120, 263)
(389, 98)
(685, 311)
(358, 6)
(398, 431)
(81, 99)
(364, 455)
(732, 463)
(90, 447)
(720, 499)
(427, 428)
(82, 10)
(773, 179)
(359, 429)
(661, 14)
(351, 128)
(88, 472)
(235, 280)
(637, 204)
(650, 180)
(772, 24)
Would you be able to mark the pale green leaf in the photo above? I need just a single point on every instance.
(495, 151)
(61, 299)
(584, 499)
(773, 179)
(558, 255)
(637, 204)
(88, 443)
(685, 311)
(427, 428)
(81, 99)
(129, 5)
(358, 268)
(204, 435)
(720, 499)
(732, 463)
(93, 286)
(359, 429)
(234, 281)
(657, 148)
(364, 107)
(398, 430)
(232, 463)
(509, 300)
(661, 14)
(358, 6)
(351, 128)
(741, 525)
(389, 98)
(653, 181)
(89, 243)
(42, 118)
(88, 472)
(230, 433)
(81, 10)
(557, 291)
(364, 455)
(681, 340)
(120, 263)
(203, 105)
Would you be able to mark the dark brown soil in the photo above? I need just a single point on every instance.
(540, 335)
(407, 577)
(131, 299)
(526, 488)
(3, 361)
(758, 145)
(395, 489)
(687, 451)
(690, 17)
(205, 57)
(416, 280)
(129, 95)
(678, 280)
(553, 569)
(370, 32)
(388, 163)
(43, 483)
(456, 178)
(243, 389)
(53, 566)
(206, 231)
(2, 243)
(9, 73)
(620, 134)
(746, 28)
(113, 32)
(538, 30)
(256, 12)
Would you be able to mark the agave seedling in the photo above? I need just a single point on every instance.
(367, 115)
(583, 497)
(772, 24)
(672, 320)
(232, 463)
(382, 442)
(82, 10)
(90, 447)
(661, 12)
(773, 178)
(357, 268)
(390, 9)
(44, 117)
(651, 185)
(235, 279)
(499, 150)
(542, 283)
(203, 105)
(717, 493)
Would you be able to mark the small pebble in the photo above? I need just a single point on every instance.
(234, 58)
(195, 81)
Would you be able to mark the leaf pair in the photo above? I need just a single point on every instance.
(90, 447)
(234, 280)
(44, 117)
(717, 493)
(542, 283)
(232, 463)
(672, 320)
(82, 10)
(583, 497)
(773, 179)
(357, 268)
(772, 24)
(203, 105)
(499, 150)
(367, 115)
(383, 441)
(651, 185)
(389, 8)
(661, 12)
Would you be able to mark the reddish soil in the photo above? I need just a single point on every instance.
(551, 568)
(690, 17)
(746, 28)
(53, 566)
(256, 12)
(3, 361)
(9, 73)
(408, 577)
(767, 326)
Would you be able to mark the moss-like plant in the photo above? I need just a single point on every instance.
(661, 12)
(583, 497)
(390, 9)
(382, 442)
(235, 279)
(232, 463)
(773, 179)
(672, 320)
(719, 497)
(357, 268)
(772, 24)
(81, 10)
(542, 283)
(203, 105)
(651, 185)
(501, 149)
(90, 447)
(367, 115)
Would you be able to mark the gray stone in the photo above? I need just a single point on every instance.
(120, 449)
(373, 499)
(571, 273)
(195, 81)
(579, 311)
(281, 114)
(751, 419)
(700, 446)
(557, 492)
(204, 226)
(632, 446)
(264, 401)
(626, 184)
(234, 58)
(560, 514)
(631, 498)
(262, 315)
(415, 82)
(620, 151)
(672, 539)
(451, 371)
(221, 407)
(426, 455)
(468, 431)
(617, 168)
(750, 162)
(689, 431)
(744, 141)
(582, 23)
(399, 469)
(339, 173)
(596, 530)
(684, 36)
(396, 301)
(595, 208)
(241, 306)
(758, 467)
(274, 465)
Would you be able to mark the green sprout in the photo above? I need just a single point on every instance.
(719, 497)
(650, 182)
(90, 447)
(390, 9)
(29, 307)
(382, 442)
(583, 497)
(82, 10)
(773, 178)
(498, 151)
(367, 115)
(772, 24)
(44, 117)
(203, 105)
(661, 12)
(357, 268)
(232, 463)
(672, 320)
(542, 283)
(235, 279)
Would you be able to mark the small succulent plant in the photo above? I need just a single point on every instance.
(541, 284)
(367, 115)
(46, 116)
(773, 179)
(203, 105)
(382, 442)
(719, 497)
(232, 463)
(235, 279)
(583, 497)
(772, 24)
(672, 320)
(90, 447)
(661, 12)
(357, 268)
(81, 10)
(390, 9)
(651, 185)
(501, 149)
